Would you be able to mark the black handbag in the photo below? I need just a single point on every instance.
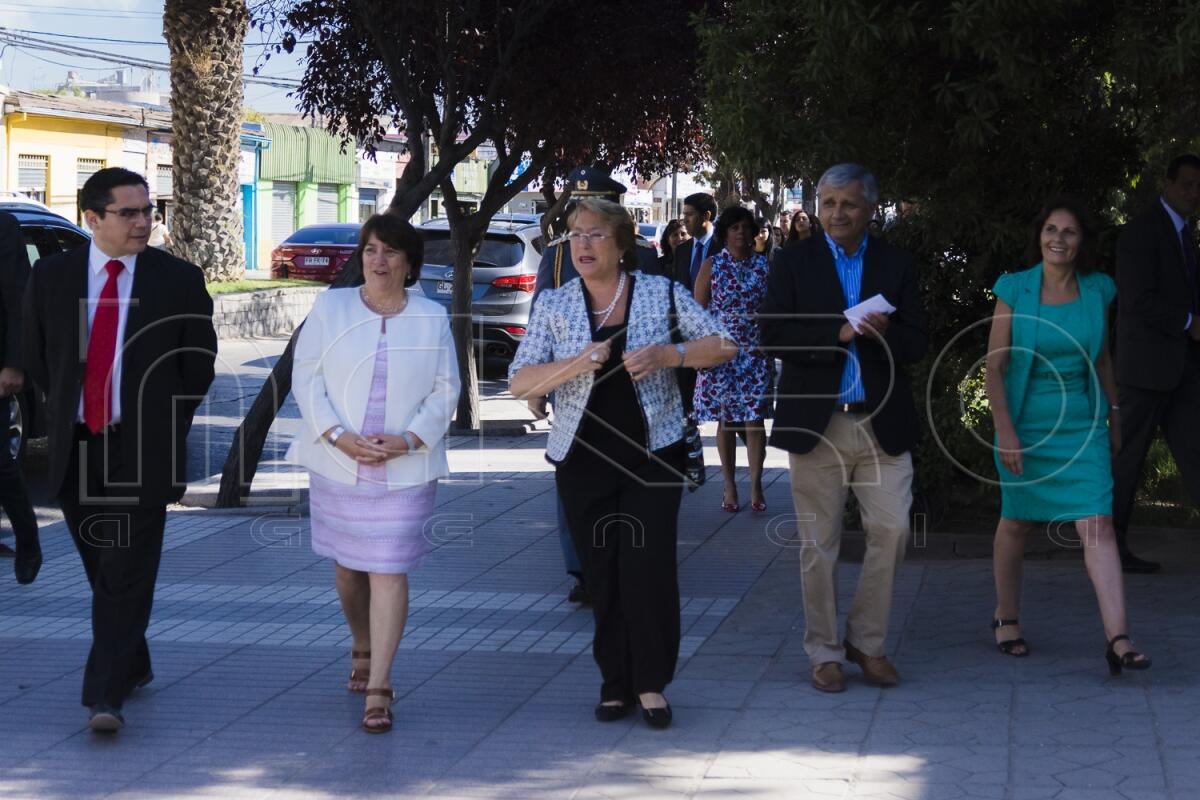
(693, 469)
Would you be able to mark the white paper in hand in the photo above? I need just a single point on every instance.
(875, 304)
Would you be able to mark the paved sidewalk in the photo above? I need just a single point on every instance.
(496, 683)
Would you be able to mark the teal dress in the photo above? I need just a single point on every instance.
(1062, 416)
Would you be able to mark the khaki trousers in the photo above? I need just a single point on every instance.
(849, 457)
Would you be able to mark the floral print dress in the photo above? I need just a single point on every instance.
(740, 389)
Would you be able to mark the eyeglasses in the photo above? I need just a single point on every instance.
(129, 214)
(588, 238)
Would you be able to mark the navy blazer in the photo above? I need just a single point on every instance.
(14, 273)
(1154, 298)
(166, 367)
(801, 318)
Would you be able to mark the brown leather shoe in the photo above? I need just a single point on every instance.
(827, 677)
(876, 669)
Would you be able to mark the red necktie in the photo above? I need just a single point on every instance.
(101, 351)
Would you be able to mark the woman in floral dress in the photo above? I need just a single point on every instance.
(737, 394)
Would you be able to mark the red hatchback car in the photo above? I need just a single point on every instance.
(315, 252)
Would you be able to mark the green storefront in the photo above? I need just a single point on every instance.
(303, 179)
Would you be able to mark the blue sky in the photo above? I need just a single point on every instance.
(136, 20)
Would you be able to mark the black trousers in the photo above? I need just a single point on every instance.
(1143, 413)
(15, 500)
(120, 546)
(624, 528)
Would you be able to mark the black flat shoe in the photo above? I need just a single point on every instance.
(1133, 565)
(1009, 646)
(105, 719)
(612, 713)
(1130, 660)
(26, 565)
(657, 717)
(578, 594)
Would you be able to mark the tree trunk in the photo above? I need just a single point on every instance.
(205, 38)
(241, 463)
(466, 235)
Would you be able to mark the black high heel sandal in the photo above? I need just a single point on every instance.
(1008, 646)
(1132, 659)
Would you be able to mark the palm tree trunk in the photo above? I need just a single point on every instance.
(205, 38)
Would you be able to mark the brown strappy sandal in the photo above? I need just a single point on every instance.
(378, 719)
(359, 678)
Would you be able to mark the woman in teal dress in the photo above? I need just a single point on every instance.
(1053, 398)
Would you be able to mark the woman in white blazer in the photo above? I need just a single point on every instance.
(376, 379)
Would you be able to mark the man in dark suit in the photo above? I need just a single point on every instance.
(14, 273)
(121, 339)
(846, 415)
(699, 217)
(1158, 343)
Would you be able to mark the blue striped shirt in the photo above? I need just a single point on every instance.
(850, 270)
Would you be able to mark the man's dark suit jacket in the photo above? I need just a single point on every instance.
(166, 366)
(683, 261)
(14, 274)
(1154, 298)
(801, 317)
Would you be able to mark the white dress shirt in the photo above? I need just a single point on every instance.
(97, 277)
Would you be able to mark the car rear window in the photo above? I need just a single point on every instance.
(496, 251)
(319, 235)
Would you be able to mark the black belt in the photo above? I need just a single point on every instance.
(851, 408)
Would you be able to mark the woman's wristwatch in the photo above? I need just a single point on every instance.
(679, 348)
(333, 434)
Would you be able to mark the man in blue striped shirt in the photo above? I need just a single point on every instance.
(846, 415)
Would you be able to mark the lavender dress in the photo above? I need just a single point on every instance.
(368, 527)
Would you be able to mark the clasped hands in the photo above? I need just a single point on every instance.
(640, 363)
(374, 449)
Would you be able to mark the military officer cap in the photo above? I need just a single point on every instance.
(591, 182)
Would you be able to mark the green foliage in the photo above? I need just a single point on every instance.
(982, 109)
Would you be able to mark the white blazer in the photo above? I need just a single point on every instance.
(331, 381)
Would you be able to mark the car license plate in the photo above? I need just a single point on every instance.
(316, 261)
(445, 287)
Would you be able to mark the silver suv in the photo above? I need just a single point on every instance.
(504, 275)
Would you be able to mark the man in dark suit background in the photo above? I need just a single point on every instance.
(699, 217)
(14, 273)
(845, 414)
(1158, 343)
(120, 337)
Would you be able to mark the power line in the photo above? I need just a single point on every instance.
(57, 63)
(86, 14)
(80, 9)
(161, 43)
(25, 41)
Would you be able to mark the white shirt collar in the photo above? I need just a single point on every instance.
(97, 259)
(1176, 220)
(704, 239)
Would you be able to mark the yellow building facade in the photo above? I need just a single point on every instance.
(51, 145)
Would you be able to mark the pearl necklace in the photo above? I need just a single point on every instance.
(382, 309)
(607, 312)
